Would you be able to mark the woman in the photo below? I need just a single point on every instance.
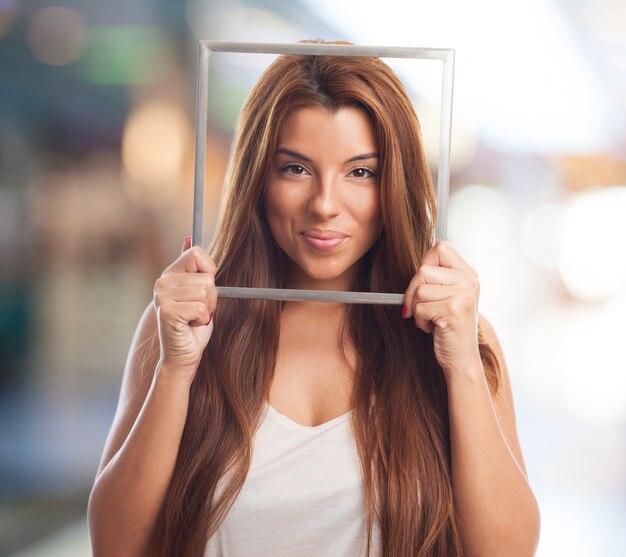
(270, 428)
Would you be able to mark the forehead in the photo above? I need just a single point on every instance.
(346, 128)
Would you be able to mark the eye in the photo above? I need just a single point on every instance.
(362, 172)
(294, 169)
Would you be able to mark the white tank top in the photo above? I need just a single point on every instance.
(302, 497)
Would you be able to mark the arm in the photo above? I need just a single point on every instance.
(142, 448)
(497, 511)
(140, 453)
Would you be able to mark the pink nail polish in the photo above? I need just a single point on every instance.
(403, 312)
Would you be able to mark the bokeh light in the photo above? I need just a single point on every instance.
(8, 15)
(519, 92)
(235, 25)
(55, 35)
(154, 143)
(606, 20)
(125, 54)
(484, 213)
(589, 171)
(591, 262)
(269, 27)
(574, 359)
(482, 226)
(463, 145)
(542, 234)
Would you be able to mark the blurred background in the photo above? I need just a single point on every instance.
(97, 109)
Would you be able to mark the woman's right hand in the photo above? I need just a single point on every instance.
(184, 299)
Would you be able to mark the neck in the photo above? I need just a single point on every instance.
(314, 318)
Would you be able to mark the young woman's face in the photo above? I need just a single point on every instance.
(322, 200)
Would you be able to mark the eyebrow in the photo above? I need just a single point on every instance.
(292, 153)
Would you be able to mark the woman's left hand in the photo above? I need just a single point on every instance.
(442, 298)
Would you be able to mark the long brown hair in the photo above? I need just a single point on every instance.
(399, 399)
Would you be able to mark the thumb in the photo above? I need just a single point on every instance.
(186, 243)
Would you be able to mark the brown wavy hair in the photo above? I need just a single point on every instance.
(399, 399)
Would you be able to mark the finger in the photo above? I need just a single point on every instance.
(434, 274)
(180, 314)
(173, 281)
(425, 314)
(189, 292)
(442, 254)
(429, 274)
(422, 321)
(455, 309)
(194, 260)
(426, 292)
(409, 295)
(189, 287)
(166, 286)
(186, 244)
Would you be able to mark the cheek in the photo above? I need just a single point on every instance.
(276, 209)
(369, 212)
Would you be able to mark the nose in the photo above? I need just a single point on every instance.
(325, 202)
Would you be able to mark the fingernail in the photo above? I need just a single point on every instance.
(403, 312)
(210, 318)
(186, 243)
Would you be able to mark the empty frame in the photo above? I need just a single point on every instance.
(446, 55)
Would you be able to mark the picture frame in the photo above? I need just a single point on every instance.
(206, 47)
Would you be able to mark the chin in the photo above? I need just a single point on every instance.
(326, 273)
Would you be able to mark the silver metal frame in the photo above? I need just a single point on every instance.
(446, 55)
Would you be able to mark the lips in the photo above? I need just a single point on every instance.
(324, 240)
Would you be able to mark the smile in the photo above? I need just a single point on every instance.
(324, 240)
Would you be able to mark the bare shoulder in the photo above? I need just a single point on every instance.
(138, 374)
(503, 399)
